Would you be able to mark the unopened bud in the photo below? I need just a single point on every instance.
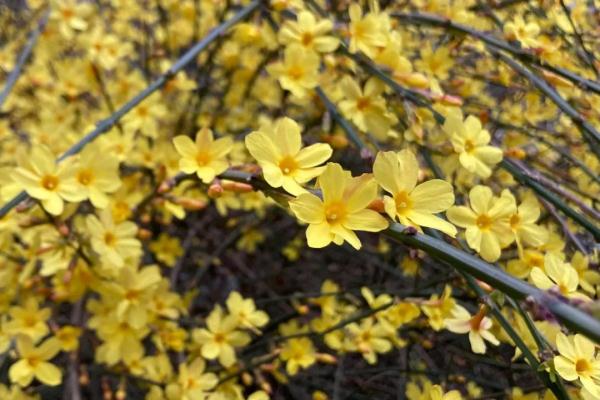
(237, 187)
(215, 190)
(515, 152)
(555, 79)
(63, 229)
(145, 218)
(247, 379)
(191, 204)
(121, 394)
(413, 79)
(144, 234)
(326, 358)
(336, 141)
(377, 205)
(485, 286)
(450, 100)
(166, 186)
(302, 309)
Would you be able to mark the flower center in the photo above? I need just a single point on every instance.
(49, 182)
(515, 220)
(85, 177)
(335, 213)
(484, 222)
(219, 337)
(307, 38)
(296, 72)
(582, 366)
(363, 103)
(110, 239)
(202, 158)
(469, 146)
(403, 202)
(288, 165)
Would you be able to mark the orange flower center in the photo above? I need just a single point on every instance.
(202, 158)
(484, 222)
(296, 72)
(49, 182)
(362, 103)
(110, 239)
(85, 177)
(403, 202)
(515, 220)
(582, 366)
(335, 213)
(288, 165)
(469, 146)
(307, 38)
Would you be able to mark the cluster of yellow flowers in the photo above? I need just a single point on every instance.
(151, 258)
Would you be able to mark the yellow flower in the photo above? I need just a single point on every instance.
(43, 179)
(524, 32)
(522, 223)
(33, 362)
(114, 243)
(166, 249)
(220, 337)
(192, 382)
(486, 222)
(283, 160)
(70, 16)
(369, 338)
(470, 142)
(342, 210)
(96, 174)
(410, 203)
(367, 33)
(438, 308)
(367, 108)
(245, 312)
(298, 353)
(588, 278)
(577, 360)
(309, 33)
(206, 157)
(68, 336)
(131, 292)
(29, 320)
(299, 71)
(477, 326)
(436, 62)
(437, 393)
(557, 274)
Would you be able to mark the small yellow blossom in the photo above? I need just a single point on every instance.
(34, 362)
(113, 242)
(205, 157)
(412, 204)
(342, 210)
(477, 326)
(366, 107)
(487, 221)
(299, 71)
(471, 143)
(43, 179)
(309, 33)
(220, 337)
(298, 353)
(283, 160)
(577, 360)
